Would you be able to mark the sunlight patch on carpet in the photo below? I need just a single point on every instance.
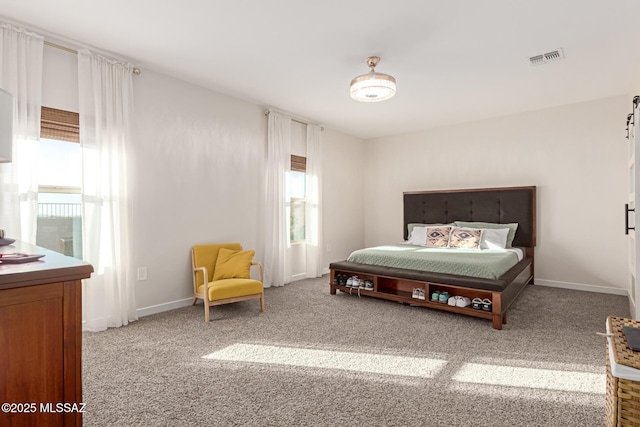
(549, 379)
(327, 359)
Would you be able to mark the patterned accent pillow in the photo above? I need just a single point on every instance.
(511, 226)
(438, 237)
(465, 238)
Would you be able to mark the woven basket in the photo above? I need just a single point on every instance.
(623, 396)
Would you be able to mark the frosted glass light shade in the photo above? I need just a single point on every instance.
(6, 126)
(373, 87)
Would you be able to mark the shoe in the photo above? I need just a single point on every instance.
(415, 293)
(476, 303)
(368, 285)
(342, 280)
(444, 297)
(356, 282)
(435, 296)
(349, 282)
(486, 304)
(463, 302)
(452, 301)
(422, 294)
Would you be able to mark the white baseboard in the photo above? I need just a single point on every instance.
(582, 287)
(146, 311)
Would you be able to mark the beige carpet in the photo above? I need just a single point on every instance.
(313, 359)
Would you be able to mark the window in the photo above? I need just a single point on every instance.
(296, 185)
(60, 174)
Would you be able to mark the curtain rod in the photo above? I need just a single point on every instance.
(266, 113)
(134, 70)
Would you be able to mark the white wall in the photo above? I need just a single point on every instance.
(60, 79)
(198, 167)
(196, 170)
(197, 161)
(344, 172)
(575, 155)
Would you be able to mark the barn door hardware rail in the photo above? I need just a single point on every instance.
(626, 218)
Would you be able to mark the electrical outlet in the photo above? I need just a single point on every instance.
(142, 273)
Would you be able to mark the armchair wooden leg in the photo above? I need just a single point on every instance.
(206, 312)
(194, 301)
(262, 303)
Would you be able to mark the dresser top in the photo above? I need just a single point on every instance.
(53, 267)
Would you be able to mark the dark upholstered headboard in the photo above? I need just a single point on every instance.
(498, 205)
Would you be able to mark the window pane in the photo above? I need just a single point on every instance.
(60, 223)
(60, 163)
(297, 182)
(57, 198)
(60, 213)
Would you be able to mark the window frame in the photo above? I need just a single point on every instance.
(298, 164)
(61, 126)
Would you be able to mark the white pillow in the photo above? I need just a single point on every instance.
(418, 236)
(494, 238)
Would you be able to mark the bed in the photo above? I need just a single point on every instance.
(399, 282)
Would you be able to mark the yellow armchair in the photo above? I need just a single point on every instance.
(231, 282)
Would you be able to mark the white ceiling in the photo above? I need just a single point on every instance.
(454, 61)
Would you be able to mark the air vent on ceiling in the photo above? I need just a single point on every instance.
(545, 58)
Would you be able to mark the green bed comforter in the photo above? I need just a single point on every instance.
(486, 263)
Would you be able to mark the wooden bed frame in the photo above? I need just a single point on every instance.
(495, 205)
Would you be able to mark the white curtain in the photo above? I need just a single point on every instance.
(106, 108)
(313, 212)
(278, 159)
(21, 55)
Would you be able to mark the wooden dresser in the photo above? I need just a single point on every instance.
(41, 339)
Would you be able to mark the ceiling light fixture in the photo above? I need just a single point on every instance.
(373, 87)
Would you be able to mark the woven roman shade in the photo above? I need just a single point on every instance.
(59, 124)
(298, 163)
